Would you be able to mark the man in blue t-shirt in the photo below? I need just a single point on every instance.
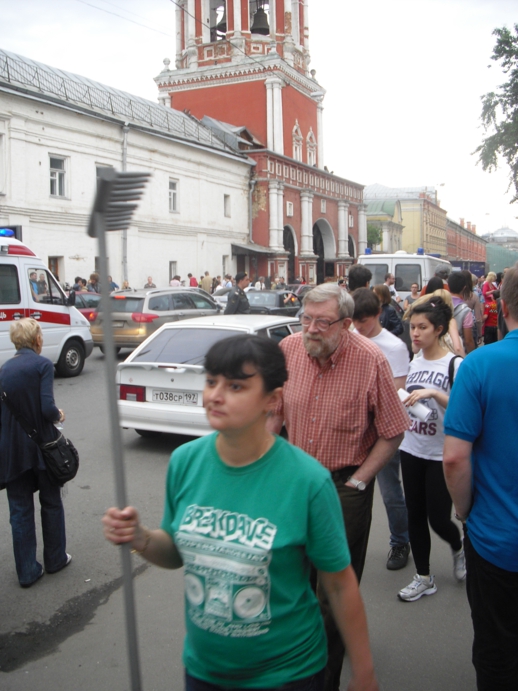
(481, 469)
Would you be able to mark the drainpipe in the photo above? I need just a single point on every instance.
(125, 131)
(250, 194)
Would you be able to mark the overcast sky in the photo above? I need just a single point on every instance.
(403, 78)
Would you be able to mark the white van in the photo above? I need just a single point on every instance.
(28, 289)
(407, 269)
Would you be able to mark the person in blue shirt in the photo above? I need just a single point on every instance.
(481, 470)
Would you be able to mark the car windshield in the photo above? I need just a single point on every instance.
(123, 303)
(183, 346)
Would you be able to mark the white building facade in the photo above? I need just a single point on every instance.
(57, 129)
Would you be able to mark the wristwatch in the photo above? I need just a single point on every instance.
(359, 484)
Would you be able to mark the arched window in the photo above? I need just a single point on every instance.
(311, 146)
(297, 142)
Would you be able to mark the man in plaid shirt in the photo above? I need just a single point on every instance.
(340, 405)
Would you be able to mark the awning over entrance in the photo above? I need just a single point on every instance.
(247, 249)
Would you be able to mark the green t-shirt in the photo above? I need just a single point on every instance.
(247, 536)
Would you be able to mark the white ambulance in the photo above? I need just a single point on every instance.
(407, 268)
(28, 289)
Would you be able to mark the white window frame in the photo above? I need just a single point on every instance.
(58, 177)
(323, 206)
(174, 206)
(227, 209)
(289, 208)
(311, 146)
(297, 141)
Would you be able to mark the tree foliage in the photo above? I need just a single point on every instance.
(500, 111)
(373, 235)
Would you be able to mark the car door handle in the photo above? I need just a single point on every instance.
(35, 315)
(17, 315)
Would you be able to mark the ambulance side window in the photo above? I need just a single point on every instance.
(9, 285)
(33, 284)
(44, 288)
(54, 294)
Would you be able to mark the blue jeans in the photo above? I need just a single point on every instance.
(493, 599)
(313, 683)
(394, 500)
(20, 494)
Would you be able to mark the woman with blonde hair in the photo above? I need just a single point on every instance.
(488, 287)
(26, 386)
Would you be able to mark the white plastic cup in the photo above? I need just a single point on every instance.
(418, 410)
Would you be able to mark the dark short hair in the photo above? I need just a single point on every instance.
(388, 275)
(228, 357)
(240, 275)
(359, 276)
(435, 283)
(437, 311)
(456, 282)
(366, 303)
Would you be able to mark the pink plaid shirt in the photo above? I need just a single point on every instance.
(336, 413)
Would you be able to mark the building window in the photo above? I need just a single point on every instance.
(297, 142)
(173, 270)
(173, 195)
(289, 208)
(57, 177)
(311, 146)
(226, 205)
(323, 206)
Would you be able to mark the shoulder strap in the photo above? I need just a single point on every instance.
(451, 369)
(30, 431)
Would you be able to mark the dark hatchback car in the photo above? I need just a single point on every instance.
(137, 314)
(88, 304)
(282, 302)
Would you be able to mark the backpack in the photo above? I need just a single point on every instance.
(460, 312)
(451, 369)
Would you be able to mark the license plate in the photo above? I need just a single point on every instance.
(117, 325)
(177, 397)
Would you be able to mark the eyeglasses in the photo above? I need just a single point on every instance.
(321, 324)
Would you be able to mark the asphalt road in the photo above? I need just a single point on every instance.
(68, 631)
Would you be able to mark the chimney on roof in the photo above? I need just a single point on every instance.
(474, 228)
(468, 224)
(462, 222)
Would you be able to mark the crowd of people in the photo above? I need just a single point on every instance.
(273, 533)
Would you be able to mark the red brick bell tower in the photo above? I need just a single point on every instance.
(246, 63)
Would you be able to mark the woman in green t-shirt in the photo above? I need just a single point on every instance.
(247, 514)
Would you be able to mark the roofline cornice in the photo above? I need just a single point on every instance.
(227, 72)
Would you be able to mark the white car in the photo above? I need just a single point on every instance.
(161, 383)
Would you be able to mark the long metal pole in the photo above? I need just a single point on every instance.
(120, 479)
(124, 238)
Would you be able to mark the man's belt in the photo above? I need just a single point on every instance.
(343, 474)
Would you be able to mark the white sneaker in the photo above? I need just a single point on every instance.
(459, 564)
(421, 585)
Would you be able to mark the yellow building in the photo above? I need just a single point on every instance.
(423, 219)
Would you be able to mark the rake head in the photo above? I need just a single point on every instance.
(113, 205)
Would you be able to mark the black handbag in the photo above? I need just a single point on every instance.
(60, 456)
